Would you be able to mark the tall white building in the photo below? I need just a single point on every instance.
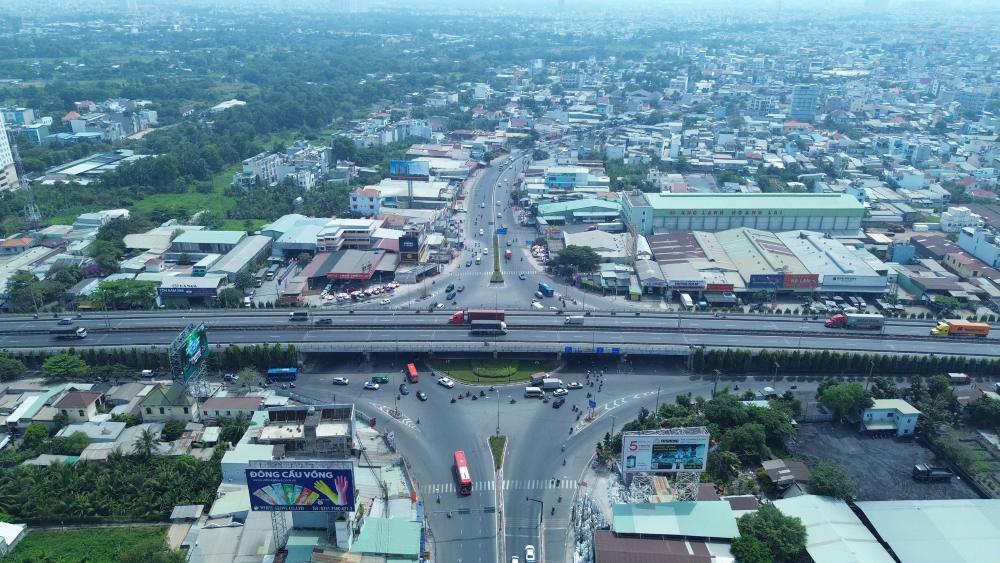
(8, 174)
(802, 105)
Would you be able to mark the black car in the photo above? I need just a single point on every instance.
(558, 402)
(450, 288)
(404, 389)
(451, 295)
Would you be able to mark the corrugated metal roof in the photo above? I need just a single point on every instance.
(820, 204)
(389, 536)
(931, 531)
(834, 533)
(701, 519)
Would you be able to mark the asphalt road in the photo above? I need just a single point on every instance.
(532, 464)
(575, 338)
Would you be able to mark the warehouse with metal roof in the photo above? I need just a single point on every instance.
(834, 534)
(587, 210)
(707, 519)
(649, 213)
(932, 531)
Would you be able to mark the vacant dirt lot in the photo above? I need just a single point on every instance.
(879, 466)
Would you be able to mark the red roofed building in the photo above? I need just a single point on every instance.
(16, 245)
(70, 117)
(983, 194)
(79, 406)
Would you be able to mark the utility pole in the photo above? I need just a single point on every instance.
(657, 409)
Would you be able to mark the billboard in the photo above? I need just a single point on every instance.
(409, 170)
(766, 280)
(189, 352)
(719, 287)
(664, 453)
(301, 486)
(801, 281)
(409, 243)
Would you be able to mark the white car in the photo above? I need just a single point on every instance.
(371, 385)
(529, 554)
(341, 381)
(537, 305)
(385, 301)
(574, 385)
(446, 382)
(560, 392)
(481, 232)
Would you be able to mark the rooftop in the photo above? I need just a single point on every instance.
(827, 204)
(834, 533)
(701, 519)
(210, 237)
(894, 404)
(931, 531)
(77, 400)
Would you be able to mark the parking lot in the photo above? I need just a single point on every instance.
(880, 467)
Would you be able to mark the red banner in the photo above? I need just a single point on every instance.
(801, 281)
(719, 287)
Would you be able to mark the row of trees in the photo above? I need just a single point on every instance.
(740, 361)
(118, 364)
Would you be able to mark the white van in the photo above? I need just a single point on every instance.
(574, 320)
(535, 392)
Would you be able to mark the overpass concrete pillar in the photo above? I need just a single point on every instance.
(495, 354)
(559, 356)
(368, 357)
(623, 358)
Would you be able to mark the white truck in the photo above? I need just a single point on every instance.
(551, 383)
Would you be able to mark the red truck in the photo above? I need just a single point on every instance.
(462, 317)
(508, 254)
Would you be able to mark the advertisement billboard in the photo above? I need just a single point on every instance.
(719, 287)
(409, 170)
(801, 281)
(301, 486)
(664, 453)
(766, 280)
(409, 243)
(189, 352)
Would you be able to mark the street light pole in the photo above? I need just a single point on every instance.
(776, 366)
(715, 385)
(498, 411)
(871, 367)
(657, 409)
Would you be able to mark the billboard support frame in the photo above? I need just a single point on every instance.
(685, 480)
(178, 359)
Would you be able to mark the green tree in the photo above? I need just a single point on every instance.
(24, 293)
(539, 154)
(985, 412)
(748, 549)
(230, 297)
(846, 399)
(748, 441)
(173, 430)
(248, 377)
(146, 443)
(829, 479)
(106, 255)
(777, 426)
(11, 368)
(304, 258)
(343, 148)
(243, 280)
(232, 429)
(125, 294)
(577, 258)
(64, 366)
(61, 420)
(726, 411)
(35, 435)
(784, 536)
(723, 465)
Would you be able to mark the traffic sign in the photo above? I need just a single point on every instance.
(592, 403)
(616, 350)
(568, 350)
(600, 349)
(502, 231)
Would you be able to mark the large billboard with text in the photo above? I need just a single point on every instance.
(664, 453)
(294, 486)
(189, 352)
(409, 170)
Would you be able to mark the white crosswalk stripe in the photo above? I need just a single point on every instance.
(508, 485)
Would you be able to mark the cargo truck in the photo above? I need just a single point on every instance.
(960, 328)
(959, 378)
(508, 254)
(550, 383)
(69, 332)
(462, 317)
(924, 472)
(855, 320)
(489, 328)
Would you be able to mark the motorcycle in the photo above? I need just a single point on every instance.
(453, 399)
(512, 401)
(482, 393)
(474, 397)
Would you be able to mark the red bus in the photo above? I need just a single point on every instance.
(411, 373)
(462, 471)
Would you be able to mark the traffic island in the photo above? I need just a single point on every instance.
(497, 276)
(497, 446)
(491, 372)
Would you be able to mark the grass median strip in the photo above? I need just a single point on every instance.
(496, 446)
(488, 371)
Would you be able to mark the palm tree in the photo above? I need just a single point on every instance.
(147, 443)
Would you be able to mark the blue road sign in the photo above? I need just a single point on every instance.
(502, 231)
(616, 350)
(568, 349)
(592, 403)
(600, 349)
